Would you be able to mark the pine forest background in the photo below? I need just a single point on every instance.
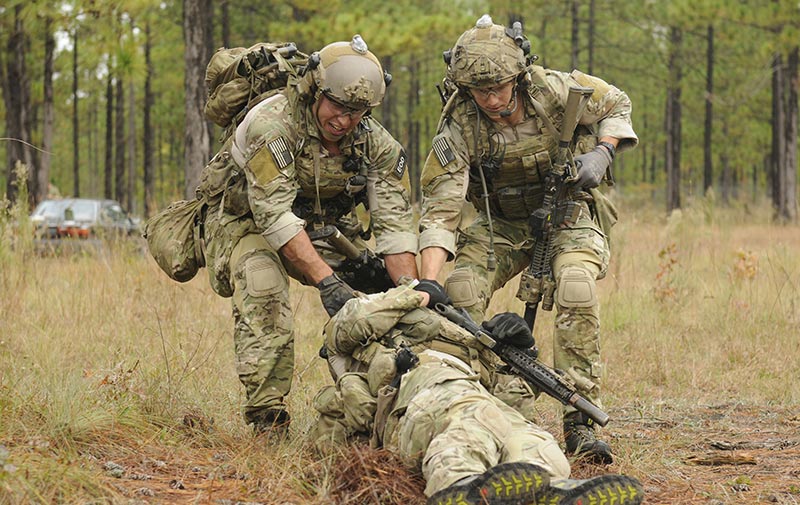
(104, 98)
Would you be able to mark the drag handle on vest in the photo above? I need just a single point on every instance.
(525, 364)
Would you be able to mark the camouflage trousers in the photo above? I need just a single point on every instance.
(446, 423)
(263, 320)
(243, 265)
(580, 256)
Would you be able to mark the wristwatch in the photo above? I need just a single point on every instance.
(611, 149)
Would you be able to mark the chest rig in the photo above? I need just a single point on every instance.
(331, 186)
(515, 163)
(513, 168)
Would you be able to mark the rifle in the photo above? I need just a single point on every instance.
(537, 283)
(525, 364)
(361, 270)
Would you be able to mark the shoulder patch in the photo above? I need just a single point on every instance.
(402, 162)
(280, 152)
(600, 86)
(443, 151)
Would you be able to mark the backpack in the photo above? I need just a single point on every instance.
(238, 78)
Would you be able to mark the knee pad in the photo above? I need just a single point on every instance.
(576, 288)
(462, 288)
(263, 276)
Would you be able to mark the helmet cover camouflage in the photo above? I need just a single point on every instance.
(485, 56)
(350, 74)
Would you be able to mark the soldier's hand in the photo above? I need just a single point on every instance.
(334, 292)
(435, 292)
(509, 328)
(592, 167)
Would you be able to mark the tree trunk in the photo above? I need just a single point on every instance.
(778, 160)
(120, 189)
(708, 173)
(590, 65)
(387, 106)
(149, 187)
(17, 107)
(790, 157)
(76, 168)
(576, 26)
(226, 23)
(130, 143)
(108, 187)
(43, 177)
(673, 121)
(91, 138)
(197, 139)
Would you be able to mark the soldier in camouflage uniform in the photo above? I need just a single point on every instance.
(498, 128)
(301, 159)
(439, 416)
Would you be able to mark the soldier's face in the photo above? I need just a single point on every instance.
(336, 120)
(495, 99)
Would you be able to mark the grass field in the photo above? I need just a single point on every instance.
(117, 385)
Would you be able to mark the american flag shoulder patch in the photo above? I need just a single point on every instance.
(443, 151)
(281, 152)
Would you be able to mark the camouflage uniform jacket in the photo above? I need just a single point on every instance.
(278, 147)
(368, 332)
(522, 154)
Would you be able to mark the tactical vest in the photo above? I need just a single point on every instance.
(340, 181)
(514, 171)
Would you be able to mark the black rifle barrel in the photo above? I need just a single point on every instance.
(536, 373)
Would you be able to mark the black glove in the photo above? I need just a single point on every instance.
(334, 292)
(592, 166)
(509, 328)
(435, 290)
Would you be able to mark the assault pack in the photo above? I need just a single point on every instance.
(238, 78)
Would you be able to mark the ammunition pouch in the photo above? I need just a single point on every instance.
(174, 238)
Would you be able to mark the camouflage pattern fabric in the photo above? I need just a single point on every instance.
(446, 423)
(524, 155)
(527, 150)
(442, 420)
(577, 326)
(274, 157)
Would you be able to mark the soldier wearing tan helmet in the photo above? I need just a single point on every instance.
(497, 139)
(301, 159)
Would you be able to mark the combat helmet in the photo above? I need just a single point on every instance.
(349, 74)
(487, 55)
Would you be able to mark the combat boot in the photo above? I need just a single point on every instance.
(271, 422)
(580, 439)
(616, 489)
(504, 484)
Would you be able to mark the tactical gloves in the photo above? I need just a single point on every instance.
(435, 291)
(334, 292)
(592, 167)
(509, 328)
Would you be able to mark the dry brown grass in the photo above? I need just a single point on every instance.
(117, 385)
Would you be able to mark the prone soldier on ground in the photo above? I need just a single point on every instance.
(297, 160)
(414, 382)
(497, 143)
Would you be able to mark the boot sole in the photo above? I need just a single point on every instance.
(602, 490)
(513, 483)
(504, 484)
